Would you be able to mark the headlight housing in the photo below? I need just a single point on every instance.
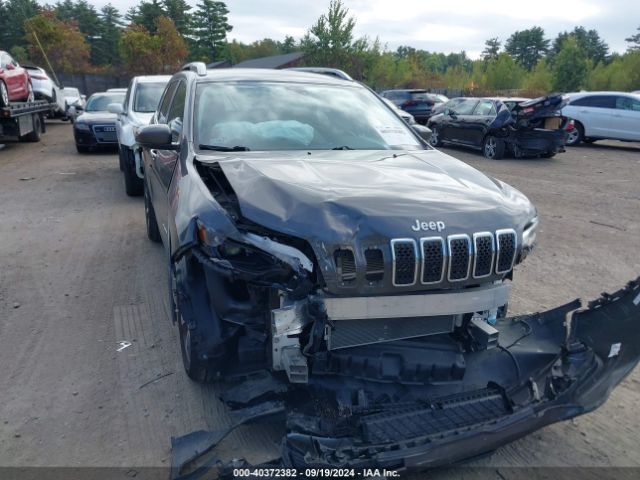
(82, 126)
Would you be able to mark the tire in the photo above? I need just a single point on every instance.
(196, 368)
(35, 134)
(493, 148)
(435, 140)
(575, 136)
(82, 148)
(132, 183)
(121, 158)
(153, 232)
(4, 95)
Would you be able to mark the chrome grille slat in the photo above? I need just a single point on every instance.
(484, 253)
(506, 246)
(459, 257)
(434, 259)
(405, 262)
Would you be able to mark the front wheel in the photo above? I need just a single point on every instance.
(493, 148)
(153, 232)
(132, 183)
(435, 140)
(4, 95)
(575, 136)
(197, 369)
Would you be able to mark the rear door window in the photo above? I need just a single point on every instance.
(466, 107)
(485, 108)
(596, 101)
(627, 103)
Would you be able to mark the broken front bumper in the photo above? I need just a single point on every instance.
(549, 366)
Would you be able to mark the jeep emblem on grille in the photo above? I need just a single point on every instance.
(427, 226)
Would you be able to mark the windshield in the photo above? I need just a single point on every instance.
(100, 101)
(147, 97)
(71, 92)
(280, 116)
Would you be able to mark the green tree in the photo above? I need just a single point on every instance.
(570, 67)
(527, 46)
(588, 41)
(491, 49)
(540, 79)
(329, 41)
(62, 41)
(634, 41)
(146, 14)
(107, 46)
(13, 14)
(211, 26)
(173, 48)
(140, 51)
(288, 45)
(179, 12)
(87, 19)
(503, 73)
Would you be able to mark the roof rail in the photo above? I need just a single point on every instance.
(332, 72)
(199, 67)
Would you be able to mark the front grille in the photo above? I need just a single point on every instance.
(484, 251)
(459, 257)
(433, 259)
(105, 133)
(345, 265)
(375, 264)
(506, 244)
(404, 261)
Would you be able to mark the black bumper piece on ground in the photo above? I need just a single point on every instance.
(550, 366)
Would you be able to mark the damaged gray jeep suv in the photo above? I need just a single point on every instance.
(315, 240)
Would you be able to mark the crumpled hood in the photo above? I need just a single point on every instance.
(97, 117)
(339, 196)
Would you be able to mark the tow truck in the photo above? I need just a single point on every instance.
(23, 121)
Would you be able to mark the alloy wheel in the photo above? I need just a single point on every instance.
(490, 147)
(434, 137)
(4, 93)
(572, 136)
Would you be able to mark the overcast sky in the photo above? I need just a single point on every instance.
(442, 25)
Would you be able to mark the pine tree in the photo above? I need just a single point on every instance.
(210, 29)
(110, 32)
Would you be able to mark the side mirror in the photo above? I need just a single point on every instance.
(155, 136)
(115, 108)
(83, 97)
(422, 131)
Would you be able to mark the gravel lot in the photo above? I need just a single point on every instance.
(78, 276)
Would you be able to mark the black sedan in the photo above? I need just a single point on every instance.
(96, 127)
(496, 126)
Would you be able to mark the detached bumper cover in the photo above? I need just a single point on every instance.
(549, 367)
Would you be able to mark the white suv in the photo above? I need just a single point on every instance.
(600, 115)
(141, 101)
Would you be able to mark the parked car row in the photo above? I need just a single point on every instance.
(418, 103)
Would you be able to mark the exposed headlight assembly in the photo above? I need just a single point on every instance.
(529, 236)
(82, 126)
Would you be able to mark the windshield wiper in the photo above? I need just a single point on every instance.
(221, 148)
(343, 147)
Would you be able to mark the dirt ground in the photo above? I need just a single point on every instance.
(78, 276)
